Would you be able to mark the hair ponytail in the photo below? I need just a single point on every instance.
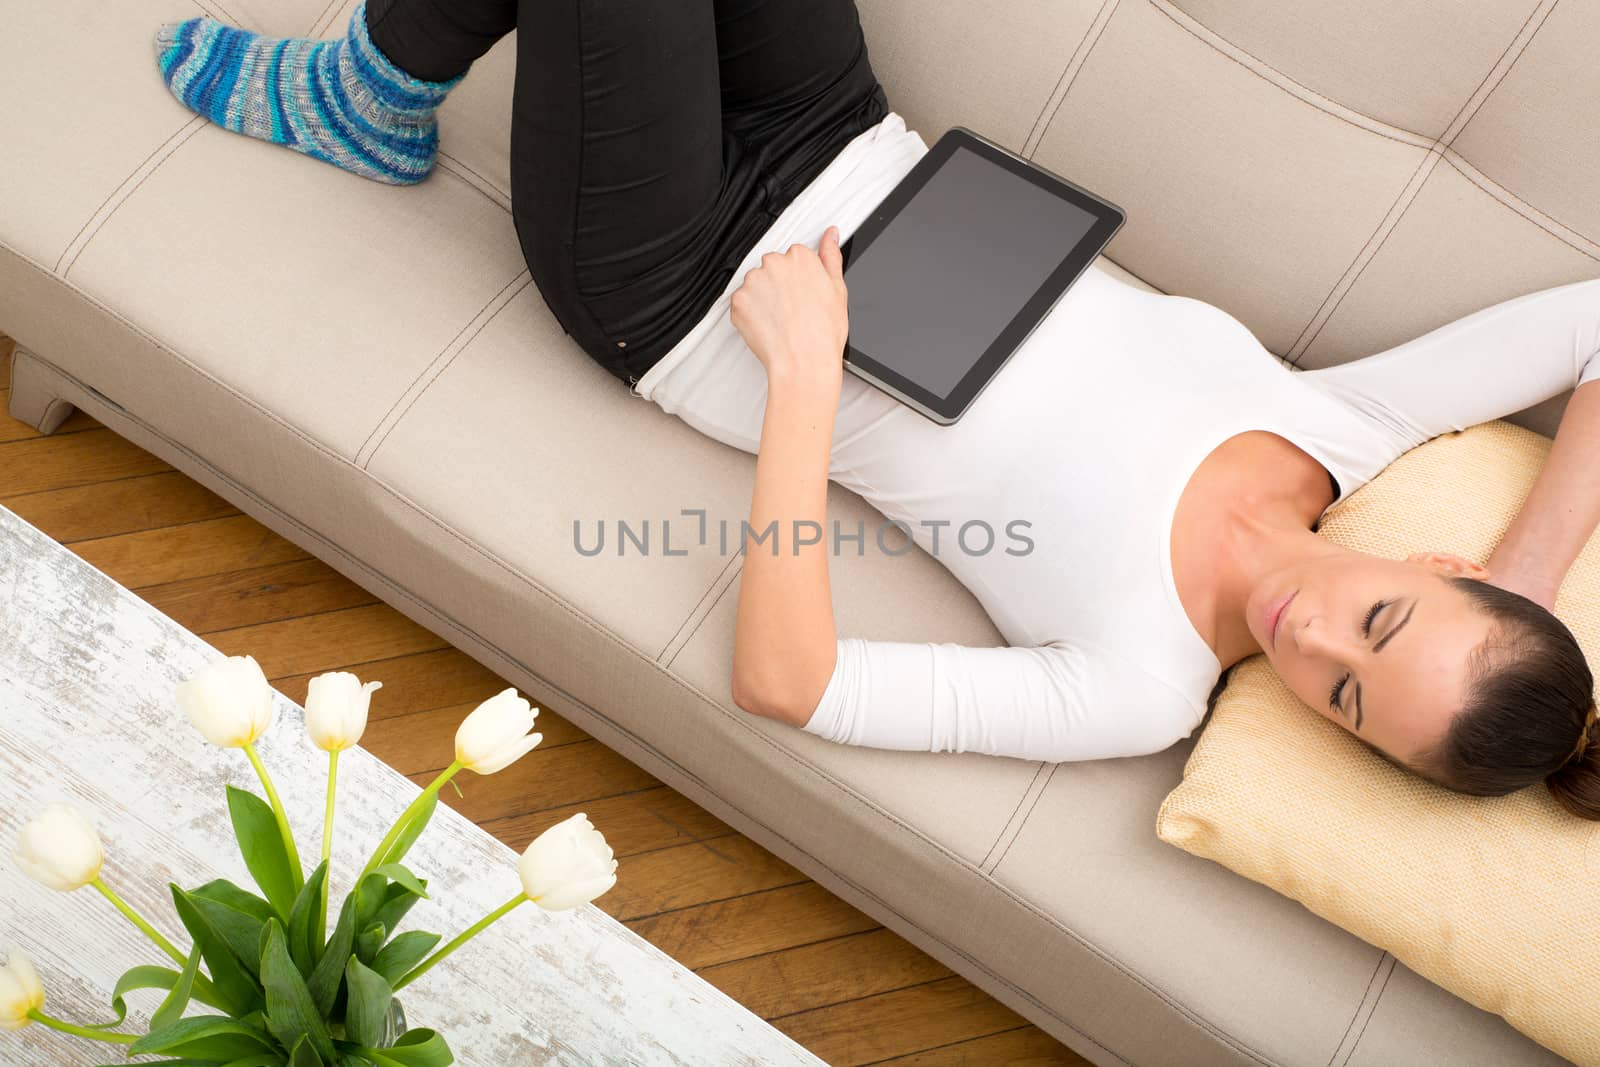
(1576, 783)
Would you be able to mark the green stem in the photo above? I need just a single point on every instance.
(283, 819)
(467, 935)
(327, 843)
(399, 824)
(138, 920)
(80, 1031)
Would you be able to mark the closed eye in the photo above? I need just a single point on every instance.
(1338, 687)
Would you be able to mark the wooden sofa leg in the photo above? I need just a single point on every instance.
(32, 400)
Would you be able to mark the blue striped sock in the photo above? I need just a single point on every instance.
(341, 101)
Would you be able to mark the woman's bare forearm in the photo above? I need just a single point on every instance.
(784, 641)
(1563, 508)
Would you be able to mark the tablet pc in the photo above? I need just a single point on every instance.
(958, 264)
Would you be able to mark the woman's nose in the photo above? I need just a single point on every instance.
(1315, 638)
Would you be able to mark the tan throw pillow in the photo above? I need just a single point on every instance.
(1495, 899)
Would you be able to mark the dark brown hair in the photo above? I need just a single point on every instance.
(1529, 710)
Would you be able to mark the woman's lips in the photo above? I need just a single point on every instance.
(1275, 615)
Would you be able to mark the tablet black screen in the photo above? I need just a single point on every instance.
(933, 292)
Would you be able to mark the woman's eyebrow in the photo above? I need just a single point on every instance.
(1379, 648)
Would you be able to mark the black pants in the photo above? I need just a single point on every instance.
(652, 141)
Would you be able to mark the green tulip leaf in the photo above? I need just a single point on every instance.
(204, 1037)
(148, 977)
(234, 985)
(368, 1006)
(370, 941)
(416, 1048)
(398, 873)
(403, 953)
(237, 916)
(396, 902)
(291, 1013)
(304, 1055)
(263, 849)
(225, 892)
(303, 946)
(328, 975)
(177, 1001)
(412, 830)
(273, 1060)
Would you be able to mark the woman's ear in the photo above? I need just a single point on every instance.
(1449, 564)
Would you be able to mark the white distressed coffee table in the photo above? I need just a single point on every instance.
(88, 715)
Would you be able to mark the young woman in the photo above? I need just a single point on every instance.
(672, 165)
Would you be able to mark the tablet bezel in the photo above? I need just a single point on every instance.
(1108, 220)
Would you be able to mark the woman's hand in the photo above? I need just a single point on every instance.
(1527, 581)
(792, 312)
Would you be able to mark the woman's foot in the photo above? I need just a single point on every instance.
(341, 101)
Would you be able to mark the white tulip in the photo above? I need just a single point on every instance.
(336, 709)
(567, 865)
(60, 849)
(495, 735)
(229, 701)
(20, 992)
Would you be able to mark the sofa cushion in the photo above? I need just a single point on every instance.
(1492, 898)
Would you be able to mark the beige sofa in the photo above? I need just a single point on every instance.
(369, 371)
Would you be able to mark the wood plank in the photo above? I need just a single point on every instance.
(63, 460)
(541, 779)
(418, 681)
(207, 603)
(194, 550)
(825, 972)
(326, 642)
(1026, 1046)
(418, 742)
(688, 875)
(641, 821)
(894, 1024)
(739, 927)
(126, 505)
(12, 429)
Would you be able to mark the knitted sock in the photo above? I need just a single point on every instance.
(341, 101)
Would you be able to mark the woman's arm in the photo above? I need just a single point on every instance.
(1483, 366)
(792, 312)
(1562, 509)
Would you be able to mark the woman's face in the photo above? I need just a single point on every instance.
(1396, 685)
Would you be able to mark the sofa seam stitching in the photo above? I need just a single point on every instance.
(1047, 769)
(695, 610)
(844, 788)
(458, 161)
(1036, 798)
(1477, 177)
(181, 135)
(1310, 97)
(1091, 37)
(465, 338)
(1365, 1023)
(447, 164)
(1363, 258)
(1438, 147)
(1357, 1013)
(1060, 102)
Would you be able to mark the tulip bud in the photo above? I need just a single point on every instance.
(229, 701)
(20, 992)
(567, 865)
(60, 849)
(496, 734)
(336, 709)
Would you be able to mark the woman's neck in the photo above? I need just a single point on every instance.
(1246, 512)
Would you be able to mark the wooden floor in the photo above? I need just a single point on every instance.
(827, 975)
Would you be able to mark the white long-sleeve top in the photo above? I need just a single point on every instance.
(1090, 433)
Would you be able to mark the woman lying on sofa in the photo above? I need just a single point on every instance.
(672, 165)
